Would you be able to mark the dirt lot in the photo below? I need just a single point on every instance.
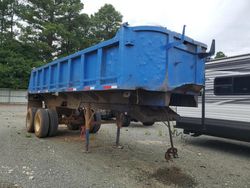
(26, 161)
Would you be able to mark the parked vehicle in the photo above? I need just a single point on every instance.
(227, 101)
(141, 72)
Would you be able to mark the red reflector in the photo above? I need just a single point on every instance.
(87, 88)
(106, 87)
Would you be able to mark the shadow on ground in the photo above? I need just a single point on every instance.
(225, 145)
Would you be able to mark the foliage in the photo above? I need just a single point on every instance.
(42, 26)
(219, 55)
(7, 21)
(34, 32)
(105, 23)
(15, 64)
(74, 28)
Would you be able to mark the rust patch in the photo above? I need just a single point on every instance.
(174, 176)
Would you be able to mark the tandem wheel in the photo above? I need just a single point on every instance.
(44, 122)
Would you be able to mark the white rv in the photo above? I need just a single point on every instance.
(227, 101)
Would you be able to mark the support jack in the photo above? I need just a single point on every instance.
(172, 152)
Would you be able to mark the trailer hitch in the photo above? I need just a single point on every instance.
(210, 53)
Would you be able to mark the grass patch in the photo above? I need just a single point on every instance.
(28, 135)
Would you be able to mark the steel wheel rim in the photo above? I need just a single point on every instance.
(28, 120)
(37, 124)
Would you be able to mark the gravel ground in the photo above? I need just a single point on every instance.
(26, 161)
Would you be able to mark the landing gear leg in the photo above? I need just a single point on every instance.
(119, 120)
(172, 151)
(88, 117)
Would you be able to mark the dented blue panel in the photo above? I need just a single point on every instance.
(143, 57)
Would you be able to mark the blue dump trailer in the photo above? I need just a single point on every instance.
(140, 72)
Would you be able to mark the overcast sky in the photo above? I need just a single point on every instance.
(227, 21)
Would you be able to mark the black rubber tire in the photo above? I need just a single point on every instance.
(73, 126)
(30, 119)
(126, 121)
(95, 128)
(148, 123)
(53, 122)
(41, 123)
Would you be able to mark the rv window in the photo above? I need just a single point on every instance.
(232, 85)
(223, 80)
(241, 85)
(223, 86)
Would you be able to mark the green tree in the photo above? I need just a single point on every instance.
(74, 27)
(55, 27)
(105, 23)
(7, 21)
(16, 62)
(16, 59)
(40, 26)
(34, 32)
(219, 54)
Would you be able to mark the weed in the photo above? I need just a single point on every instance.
(28, 135)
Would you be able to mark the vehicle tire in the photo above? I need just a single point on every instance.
(73, 126)
(148, 123)
(126, 121)
(53, 122)
(41, 123)
(95, 128)
(30, 119)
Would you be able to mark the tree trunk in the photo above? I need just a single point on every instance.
(2, 24)
(12, 20)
